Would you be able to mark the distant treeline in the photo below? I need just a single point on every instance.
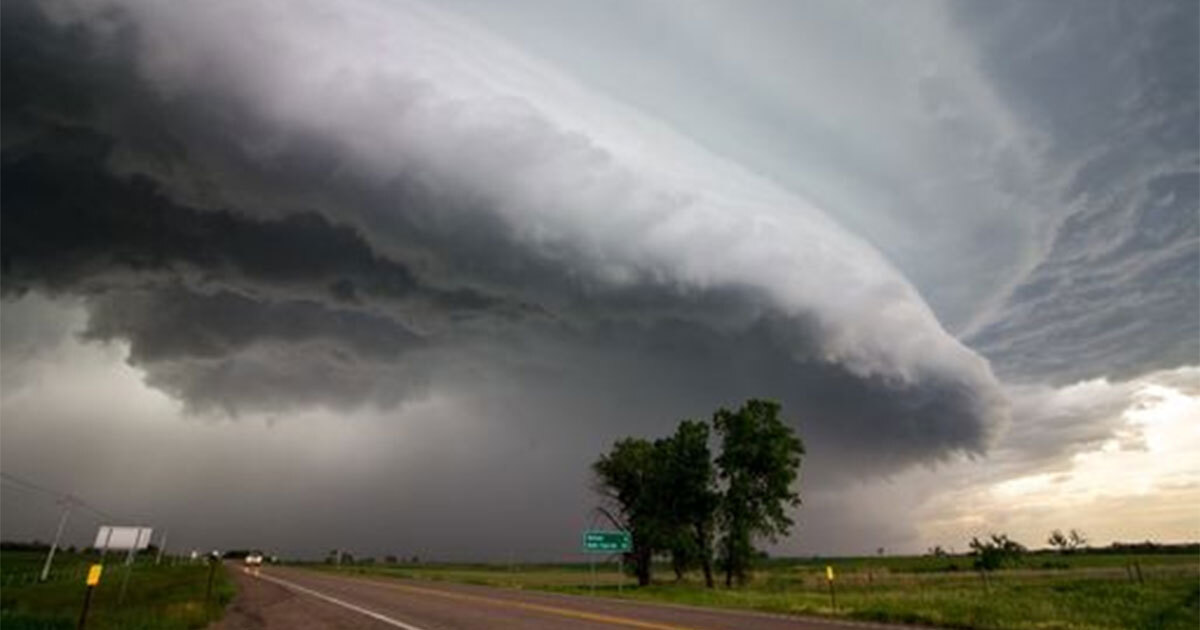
(1146, 548)
(43, 547)
(37, 545)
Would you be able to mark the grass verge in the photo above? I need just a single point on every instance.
(1085, 596)
(168, 597)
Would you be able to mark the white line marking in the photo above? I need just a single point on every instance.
(344, 604)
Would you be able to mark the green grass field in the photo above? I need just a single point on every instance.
(167, 597)
(1080, 591)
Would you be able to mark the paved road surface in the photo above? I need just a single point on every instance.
(288, 598)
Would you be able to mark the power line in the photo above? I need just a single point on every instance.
(61, 496)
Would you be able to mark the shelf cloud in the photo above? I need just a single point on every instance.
(464, 226)
(299, 211)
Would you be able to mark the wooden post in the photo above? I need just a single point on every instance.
(93, 578)
(212, 572)
(87, 603)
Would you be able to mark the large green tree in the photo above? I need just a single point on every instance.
(627, 477)
(758, 465)
(690, 499)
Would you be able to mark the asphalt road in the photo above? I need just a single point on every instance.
(288, 598)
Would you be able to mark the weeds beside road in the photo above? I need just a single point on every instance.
(167, 597)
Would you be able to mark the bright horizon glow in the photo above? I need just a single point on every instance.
(1147, 473)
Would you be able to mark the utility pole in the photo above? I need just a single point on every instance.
(62, 522)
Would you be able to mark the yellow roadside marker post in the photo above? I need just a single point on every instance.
(93, 578)
(832, 592)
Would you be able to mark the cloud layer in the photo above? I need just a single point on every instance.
(1114, 292)
(302, 211)
(445, 255)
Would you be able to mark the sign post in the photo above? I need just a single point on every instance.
(620, 572)
(607, 542)
(93, 578)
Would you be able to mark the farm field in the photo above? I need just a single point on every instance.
(167, 597)
(1092, 591)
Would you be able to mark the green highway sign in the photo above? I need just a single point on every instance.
(595, 541)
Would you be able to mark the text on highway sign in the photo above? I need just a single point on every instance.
(595, 541)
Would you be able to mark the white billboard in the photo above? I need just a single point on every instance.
(115, 538)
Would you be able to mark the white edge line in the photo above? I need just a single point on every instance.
(344, 604)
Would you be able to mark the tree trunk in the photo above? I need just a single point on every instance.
(643, 558)
(702, 543)
(729, 561)
(733, 556)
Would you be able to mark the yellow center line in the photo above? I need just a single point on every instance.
(553, 610)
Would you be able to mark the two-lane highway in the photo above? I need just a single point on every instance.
(311, 600)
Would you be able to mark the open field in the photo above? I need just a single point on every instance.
(1092, 591)
(167, 597)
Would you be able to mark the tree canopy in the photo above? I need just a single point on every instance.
(759, 463)
(675, 498)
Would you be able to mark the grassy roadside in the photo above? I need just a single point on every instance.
(1088, 593)
(1063, 602)
(168, 597)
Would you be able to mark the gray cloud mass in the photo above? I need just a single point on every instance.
(1116, 292)
(258, 303)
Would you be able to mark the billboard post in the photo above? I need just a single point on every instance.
(162, 545)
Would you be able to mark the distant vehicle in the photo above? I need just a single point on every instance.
(254, 559)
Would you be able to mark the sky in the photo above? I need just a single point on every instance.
(388, 276)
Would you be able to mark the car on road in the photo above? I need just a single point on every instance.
(253, 559)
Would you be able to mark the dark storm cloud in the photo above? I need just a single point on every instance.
(251, 283)
(236, 353)
(68, 221)
(172, 323)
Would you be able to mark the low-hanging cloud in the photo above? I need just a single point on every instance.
(278, 210)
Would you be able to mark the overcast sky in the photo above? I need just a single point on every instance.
(389, 276)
